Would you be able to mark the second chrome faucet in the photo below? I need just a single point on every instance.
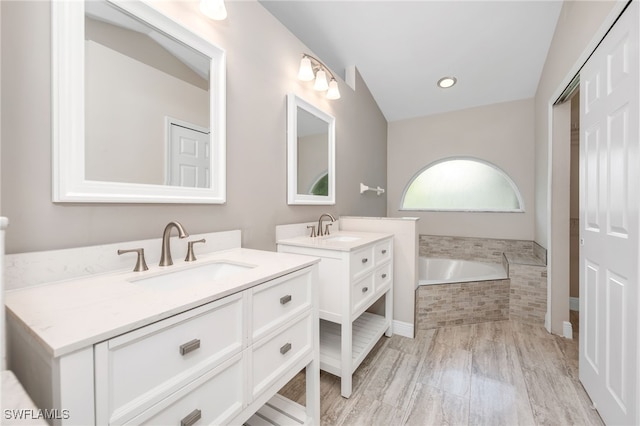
(326, 229)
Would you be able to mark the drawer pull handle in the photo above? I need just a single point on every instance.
(285, 299)
(286, 348)
(384, 276)
(384, 251)
(365, 289)
(191, 418)
(189, 346)
(365, 260)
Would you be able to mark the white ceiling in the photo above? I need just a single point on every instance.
(496, 49)
(106, 12)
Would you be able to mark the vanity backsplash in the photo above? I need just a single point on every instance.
(29, 269)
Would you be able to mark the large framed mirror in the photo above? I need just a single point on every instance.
(138, 107)
(311, 145)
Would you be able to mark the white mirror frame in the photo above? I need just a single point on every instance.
(293, 197)
(68, 127)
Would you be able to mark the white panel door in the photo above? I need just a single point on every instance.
(609, 204)
(189, 157)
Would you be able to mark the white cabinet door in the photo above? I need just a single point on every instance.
(609, 204)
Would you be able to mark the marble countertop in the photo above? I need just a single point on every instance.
(65, 316)
(340, 241)
(17, 406)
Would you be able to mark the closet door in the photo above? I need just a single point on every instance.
(609, 234)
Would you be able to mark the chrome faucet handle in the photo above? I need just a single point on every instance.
(190, 255)
(313, 230)
(326, 228)
(141, 265)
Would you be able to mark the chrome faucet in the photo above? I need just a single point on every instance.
(165, 257)
(326, 230)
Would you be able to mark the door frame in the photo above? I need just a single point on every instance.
(557, 264)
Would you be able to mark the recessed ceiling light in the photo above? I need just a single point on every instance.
(446, 82)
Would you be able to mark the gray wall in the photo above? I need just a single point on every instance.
(578, 22)
(500, 133)
(262, 64)
(574, 39)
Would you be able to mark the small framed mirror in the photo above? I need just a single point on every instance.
(138, 106)
(311, 146)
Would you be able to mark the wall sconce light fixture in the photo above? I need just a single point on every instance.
(214, 9)
(311, 68)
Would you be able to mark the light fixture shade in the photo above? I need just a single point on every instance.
(214, 9)
(321, 81)
(306, 71)
(333, 92)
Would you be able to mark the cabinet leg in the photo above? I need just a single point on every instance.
(312, 372)
(388, 311)
(346, 350)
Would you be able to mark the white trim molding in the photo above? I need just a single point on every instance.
(402, 328)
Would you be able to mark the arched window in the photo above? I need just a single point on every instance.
(321, 185)
(462, 184)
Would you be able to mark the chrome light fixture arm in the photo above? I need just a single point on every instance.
(313, 68)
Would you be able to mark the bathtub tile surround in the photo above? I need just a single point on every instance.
(526, 288)
(479, 249)
(443, 305)
(528, 294)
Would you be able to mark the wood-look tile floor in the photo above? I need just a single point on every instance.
(493, 373)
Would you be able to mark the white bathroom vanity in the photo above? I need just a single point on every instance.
(210, 341)
(356, 270)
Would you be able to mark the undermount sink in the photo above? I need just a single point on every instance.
(195, 274)
(341, 238)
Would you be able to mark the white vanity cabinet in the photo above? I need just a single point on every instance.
(139, 374)
(356, 270)
(220, 362)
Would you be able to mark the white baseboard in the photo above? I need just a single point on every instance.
(547, 321)
(402, 328)
(574, 303)
(567, 330)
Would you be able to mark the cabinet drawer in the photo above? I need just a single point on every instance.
(272, 356)
(383, 277)
(362, 291)
(213, 398)
(383, 251)
(361, 261)
(137, 369)
(274, 304)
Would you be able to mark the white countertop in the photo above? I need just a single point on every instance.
(69, 315)
(333, 242)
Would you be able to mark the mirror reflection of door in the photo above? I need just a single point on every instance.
(313, 159)
(135, 75)
(189, 156)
